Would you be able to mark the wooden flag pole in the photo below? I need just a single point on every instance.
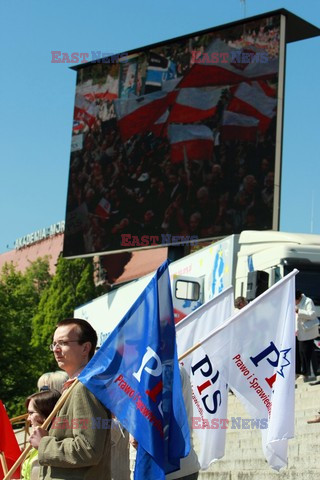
(190, 350)
(3, 463)
(45, 425)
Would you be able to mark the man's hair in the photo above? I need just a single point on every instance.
(298, 294)
(86, 332)
(239, 301)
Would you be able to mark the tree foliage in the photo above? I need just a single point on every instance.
(19, 297)
(71, 286)
(31, 304)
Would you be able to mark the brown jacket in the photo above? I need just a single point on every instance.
(79, 441)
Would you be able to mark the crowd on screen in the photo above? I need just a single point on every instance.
(146, 193)
(266, 38)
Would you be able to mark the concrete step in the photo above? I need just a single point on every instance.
(306, 428)
(307, 400)
(293, 458)
(308, 436)
(289, 474)
(303, 444)
(303, 400)
(305, 413)
(251, 463)
(253, 458)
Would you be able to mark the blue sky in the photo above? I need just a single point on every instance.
(37, 96)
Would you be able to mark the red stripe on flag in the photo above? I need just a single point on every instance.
(198, 149)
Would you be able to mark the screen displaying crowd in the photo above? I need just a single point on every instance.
(175, 140)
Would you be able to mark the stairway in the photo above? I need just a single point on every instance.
(244, 459)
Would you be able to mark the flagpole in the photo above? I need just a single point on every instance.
(45, 425)
(4, 463)
(190, 350)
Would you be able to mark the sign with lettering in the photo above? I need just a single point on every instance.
(39, 235)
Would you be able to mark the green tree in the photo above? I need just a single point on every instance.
(31, 304)
(19, 298)
(72, 285)
(38, 273)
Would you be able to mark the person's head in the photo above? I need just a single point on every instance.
(298, 296)
(202, 196)
(194, 221)
(52, 381)
(269, 180)
(148, 216)
(74, 344)
(172, 179)
(240, 302)
(40, 405)
(249, 183)
(216, 170)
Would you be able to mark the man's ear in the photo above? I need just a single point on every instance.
(86, 346)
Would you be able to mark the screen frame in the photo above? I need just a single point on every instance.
(287, 35)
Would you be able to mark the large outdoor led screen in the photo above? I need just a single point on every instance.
(176, 141)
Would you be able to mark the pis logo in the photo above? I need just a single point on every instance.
(275, 358)
(206, 381)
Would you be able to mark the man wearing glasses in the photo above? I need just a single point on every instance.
(74, 448)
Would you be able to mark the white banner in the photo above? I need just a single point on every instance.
(255, 352)
(210, 392)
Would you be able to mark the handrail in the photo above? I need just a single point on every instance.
(20, 417)
(25, 428)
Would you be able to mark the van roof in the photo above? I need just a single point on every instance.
(269, 236)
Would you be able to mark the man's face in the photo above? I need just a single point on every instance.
(72, 356)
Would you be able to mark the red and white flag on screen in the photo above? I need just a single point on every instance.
(255, 352)
(269, 88)
(85, 111)
(209, 389)
(137, 114)
(236, 126)
(160, 126)
(194, 141)
(105, 91)
(195, 104)
(103, 209)
(250, 99)
(78, 126)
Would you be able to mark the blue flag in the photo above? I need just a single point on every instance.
(136, 375)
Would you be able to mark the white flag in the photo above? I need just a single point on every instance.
(255, 352)
(210, 392)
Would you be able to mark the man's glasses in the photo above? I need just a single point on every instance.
(61, 344)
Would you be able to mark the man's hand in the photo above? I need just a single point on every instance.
(36, 436)
(133, 441)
